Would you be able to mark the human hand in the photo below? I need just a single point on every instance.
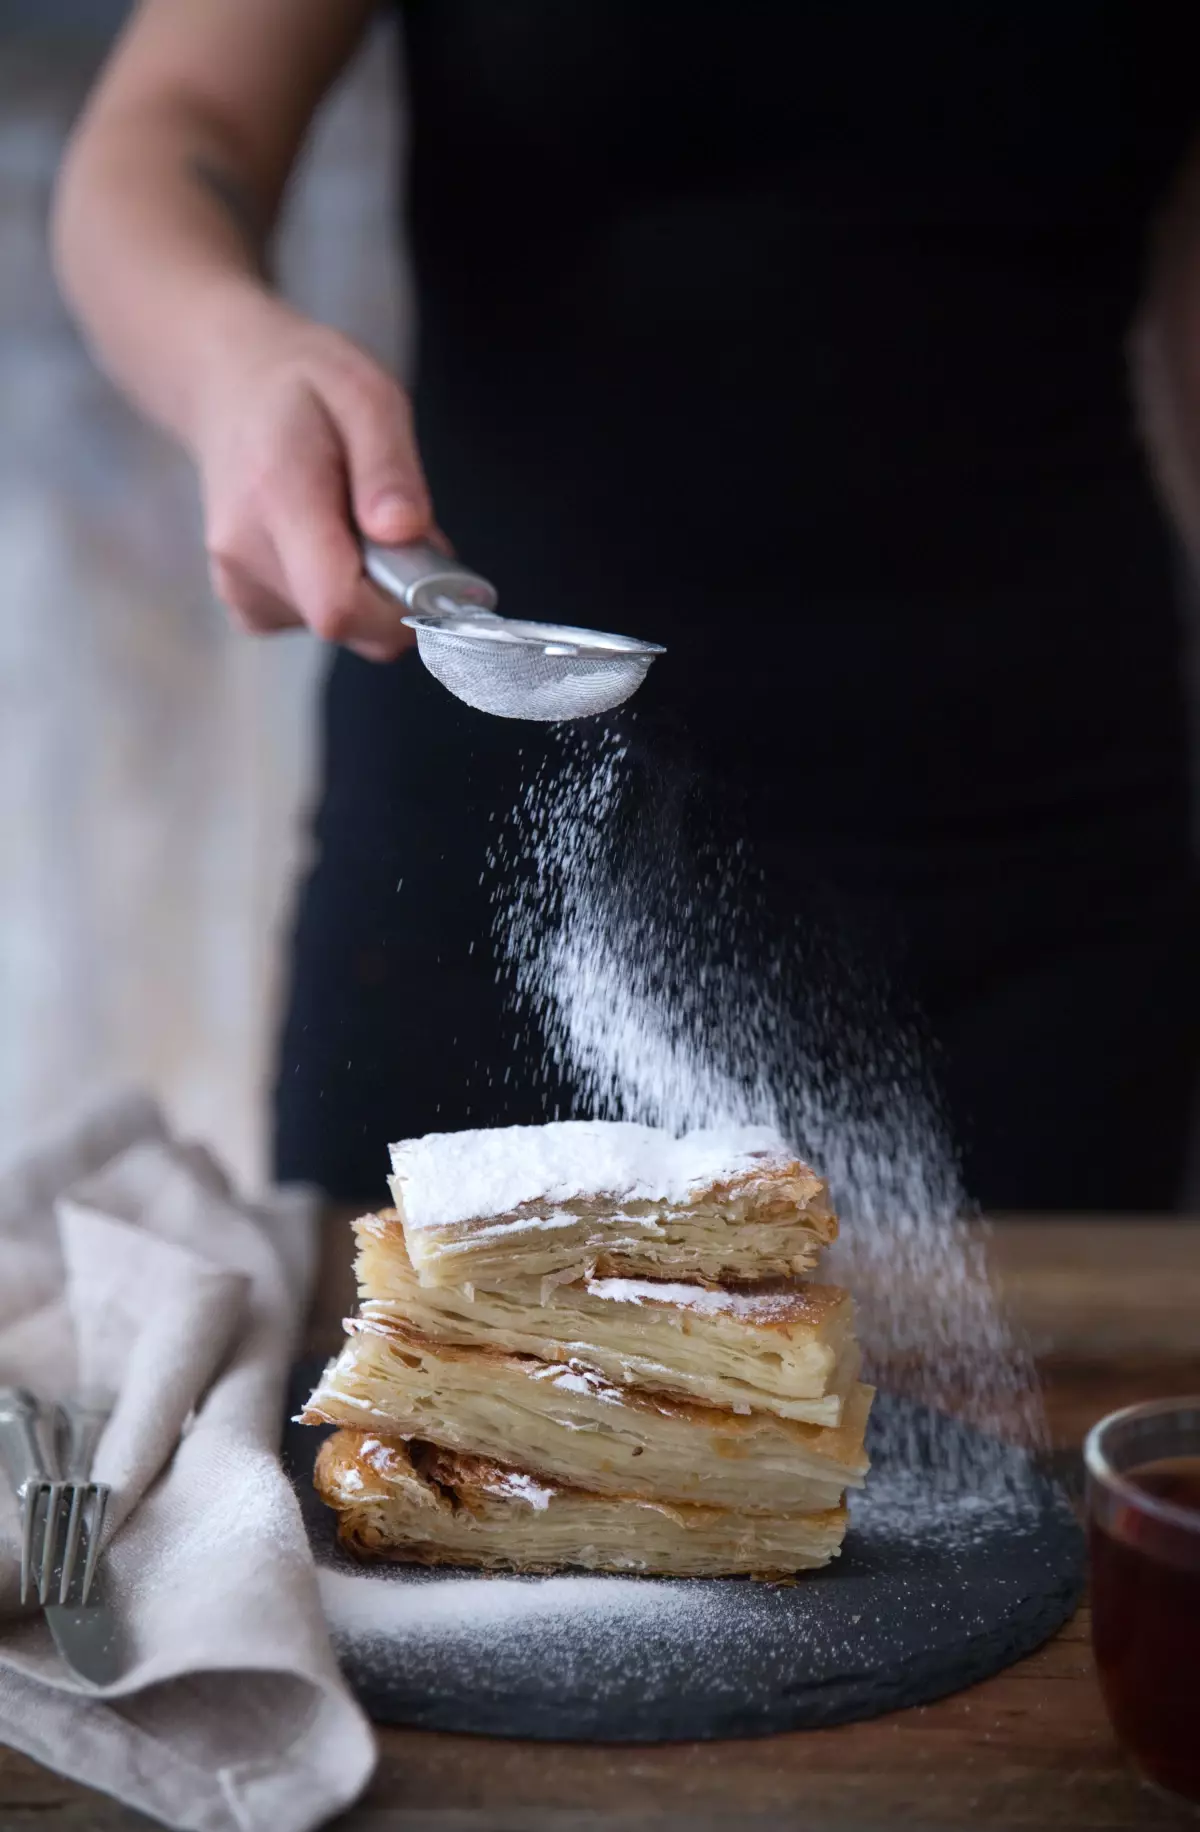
(300, 436)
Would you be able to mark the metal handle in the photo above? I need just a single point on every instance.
(21, 1453)
(420, 576)
(83, 1420)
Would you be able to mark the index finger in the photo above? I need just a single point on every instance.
(321, 562)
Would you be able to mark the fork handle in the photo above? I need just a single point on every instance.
(20, 1448)
(85, 1420)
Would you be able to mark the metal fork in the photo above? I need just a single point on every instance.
(47, 1453)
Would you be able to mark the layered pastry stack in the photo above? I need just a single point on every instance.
(592, 1345)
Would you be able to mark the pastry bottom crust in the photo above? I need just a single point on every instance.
(419, 1504)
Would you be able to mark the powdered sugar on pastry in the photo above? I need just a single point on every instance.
(381, 1457)
(573, 1377)
(445, 1179)
(753, 1306)
(514, 1483)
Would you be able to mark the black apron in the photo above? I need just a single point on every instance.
(794, 337)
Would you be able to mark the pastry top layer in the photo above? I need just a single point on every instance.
(789, 1306)
(447, 1179)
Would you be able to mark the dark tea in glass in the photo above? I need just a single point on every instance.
(1144, 1525)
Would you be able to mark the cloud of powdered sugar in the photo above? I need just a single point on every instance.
(647, 960)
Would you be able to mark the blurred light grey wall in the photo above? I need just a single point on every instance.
(154, 765)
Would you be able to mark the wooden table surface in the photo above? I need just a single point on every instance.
(1113, 1309)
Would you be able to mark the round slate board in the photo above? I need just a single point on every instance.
(945, 1577)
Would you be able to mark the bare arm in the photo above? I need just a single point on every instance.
(166, 200)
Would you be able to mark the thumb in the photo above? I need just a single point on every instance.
(388, 493)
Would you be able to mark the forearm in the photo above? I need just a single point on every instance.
(165, 204)
(159, 234)
(173, 179)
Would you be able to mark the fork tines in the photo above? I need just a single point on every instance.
(54, 1520)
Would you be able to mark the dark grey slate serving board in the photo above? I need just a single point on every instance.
(929, 1596)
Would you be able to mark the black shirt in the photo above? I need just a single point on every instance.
(794, 335)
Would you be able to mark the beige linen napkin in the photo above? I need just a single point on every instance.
(126, 1263)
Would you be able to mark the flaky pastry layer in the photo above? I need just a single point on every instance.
(775, 1346)
(570, 1426)
(424, 1505)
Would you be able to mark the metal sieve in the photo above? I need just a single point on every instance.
(515, 670)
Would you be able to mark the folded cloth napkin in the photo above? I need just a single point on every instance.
(127, 1264)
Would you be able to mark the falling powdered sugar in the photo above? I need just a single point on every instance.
(645, 962)
(641, 963)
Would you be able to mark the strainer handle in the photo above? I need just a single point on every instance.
(419, 575)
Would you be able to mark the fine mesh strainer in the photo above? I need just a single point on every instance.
(516, 670)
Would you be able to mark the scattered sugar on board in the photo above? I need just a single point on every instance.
(448, 1604)
(619, 1631)
(930, 1564)
(647, 963)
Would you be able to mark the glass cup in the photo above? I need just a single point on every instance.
(1143, 1505)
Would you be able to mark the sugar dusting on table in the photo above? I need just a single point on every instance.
(645, 964)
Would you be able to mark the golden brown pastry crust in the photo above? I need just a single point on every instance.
(571, 1426)
(586, 1345)
(775, 1346)
(419, 1504)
